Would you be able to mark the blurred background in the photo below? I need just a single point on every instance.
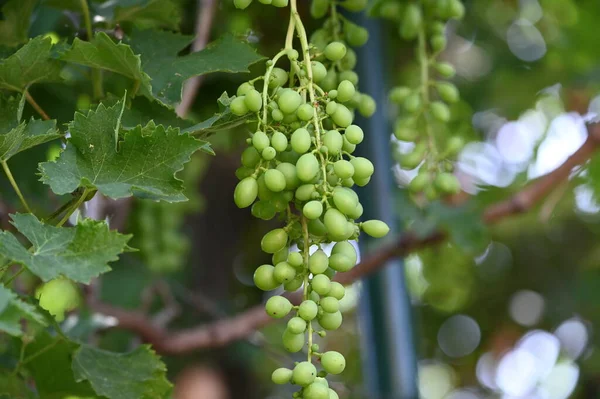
(503, 312)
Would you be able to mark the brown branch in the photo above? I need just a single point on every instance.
(206, 15)
(222, 332)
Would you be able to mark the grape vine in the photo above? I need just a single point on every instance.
(299, 165)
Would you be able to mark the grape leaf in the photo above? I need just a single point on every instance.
(13, 310)
(79, 253)
(147, 13)
(143, 164)
(222, 120)
(32, 63)
(159, 51)
(463, 224)
(13, 387)
(138, 374)
(14, 26)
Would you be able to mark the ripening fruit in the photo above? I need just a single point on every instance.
(363, 168)
(238, 106)
(307, 167)
(294, 284)
(335, 51)
(354, 5)
(278, 307)
(330, 321)
(289, 101)
(308, 310)
(268, 153)
(347, 249)
(304, 374)
(284, 272)
(281, 376)
(343, 169)
(329, 304)
(405, 131)
(354, 134)
(245, 192)
(292, 342)
(345, 91)
(419, 182)
(58, 296)
(275, 180)
(335, 222)
(264, 278)
(242, 4)
(342, 116)
(300, 140)
(316, 390)
(253, 100)
(280, 256)
(337, 290)
(411, 22)
(318, 8)
(438, 43)
(350, 76)
(367, 105)
(313, 210)
(440, 111)
(332, 393)
(340, 263)
(445, 69)
(412, 103)
(296, 325)
(260, 140)
(250, 157)
(305, 112)
(356, 35)
(344, 201)
(333, 362)
(305, 192)
(280, 3)
(399, 94)
(375, 228)
(456, 9)
(334, 141)
(447, 183)
(274, 240)
(321, 284)
(454, 145)
(295, 259)
(318, 262)
(279, 141)
(447, 91)
(279, 77)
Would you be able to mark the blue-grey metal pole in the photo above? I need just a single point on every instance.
(385, 317)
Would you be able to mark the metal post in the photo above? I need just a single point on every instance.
(388, 342)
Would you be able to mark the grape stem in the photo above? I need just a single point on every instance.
(74, 207)
(96, 73)
(15, 186)
(306, 253)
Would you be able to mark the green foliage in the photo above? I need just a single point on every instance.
(14, 25)
(13, 310)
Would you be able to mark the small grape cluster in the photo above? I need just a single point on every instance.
(425, 20)
(299, 166)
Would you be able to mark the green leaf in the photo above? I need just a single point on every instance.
(13, 387)
(52, 368)
(148, 13)
(138, 374)
(103, 53)
(13, 310)
(222, 120)
(14, 26)
(32, 63)
(463, 224)
(159, 51)
(143, 164)
(79, 253)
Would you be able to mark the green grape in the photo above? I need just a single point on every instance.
(330, 81)
(280, 3)
(356, 35)
(419, 182)
(281, 376)
(447, 183)
(58, 296)
(438, 43)
(289, 173)
(315, 391)
(354, 5)
(289, 101)
(242, 4)
(279, 77)
(343, 169)
(307, 167)
(412, 21)
(340, 262)
(445, 69)
(278, 307)
(313, 210)
(264, 278)
(305, 192)
(260, 140)
(333, 394)
(335, 51)
(244, 88)
(342, 116)
(279, 141)
(280, 256)
(363, 168)
(447, 91)
(343, 200)
(238, 106)
(305, 112)
(304, 374)
(335, 222)
(277, 115)
(245, 192)
(268, 153)
(274, 180)
(332, 95)
(253, 100)
(308, 310)
(375, 228)
(264, 194)
(333, 362)
(348, 146)
(293, 342)
(295, 259)
(456, 9)
(440, 111)
(350, 76)
(294, 284)
(347, 249)
(300, 140)
(331, 107)
(330, 304)
(318, 70)
(333, 140)
(399, 94)
(367, 105)
(274, 240)
(321, 284)
(349, 61)
(330, 321)
(354, 134)
(263, 210)
(345, 91)
(412, 103)
(318, 8)
(337, 290)
(296, 325)
(284, 272)
(243, 172)
(361, 181)
(404, 132)
(250, 157)
(318, 262)
(454, 145)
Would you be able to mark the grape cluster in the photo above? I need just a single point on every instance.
(426, 106)
(299, 165)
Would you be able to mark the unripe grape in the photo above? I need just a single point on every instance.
(289, 173)
(281, 376)
(253, 100)
(284, 272)
(347, 249)
(292, 342)
(440, 111)
(313, 296)
(337, 290)
(363, 168)
(250, 157)
(321, 284)
(280, 3)
(317, 228)
(279, 141)
(278, 307)
(332, 94)
(243, 89)
(318, 8)
(274, 240)
(399, 94)
(350, 76)
(333, 140)
(348, 146)
(331, 107)
(318, 262)
(238, 106)
(268, 153)
(405, 132)
(354, 134)
(412, 103)
(305, 112)
(335, 51)
(294, 284)
(296, 325)
(343, 201)
(454, 145)
(375, 228)
(241, 4)
(345, 91)
(343, 169)
(361, 181)
(308, 310)
(318, 70)
(300, 140)
(307, 167)
(277, 115)
(330, 321)
(367, 105)
(313, 210)
(305, 192)
(411, 22)
(315, 391)
(289, 101)
(356, 35)
(329, 304)
(391, 10)
(304, 374)
(333, 362)
(349, 61)
(245, 192)
(279, 77)
(264, 210)
(274, 180)
(447, 183)
(342, 116)
(330, 81)
(243, 172)
(280, 256)
(340, 263)
(264, 278)
(354, 5)
(445, 69)
(419, 182)
(58, 296)
(411, 160)
(456, 9)
(335, 222)
(438, 43)
(447, 91)
(260, 140)
(295, 259)
(332, 393)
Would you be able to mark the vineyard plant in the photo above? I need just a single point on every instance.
(191, 191)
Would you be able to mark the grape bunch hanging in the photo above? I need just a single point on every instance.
(299, 166)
